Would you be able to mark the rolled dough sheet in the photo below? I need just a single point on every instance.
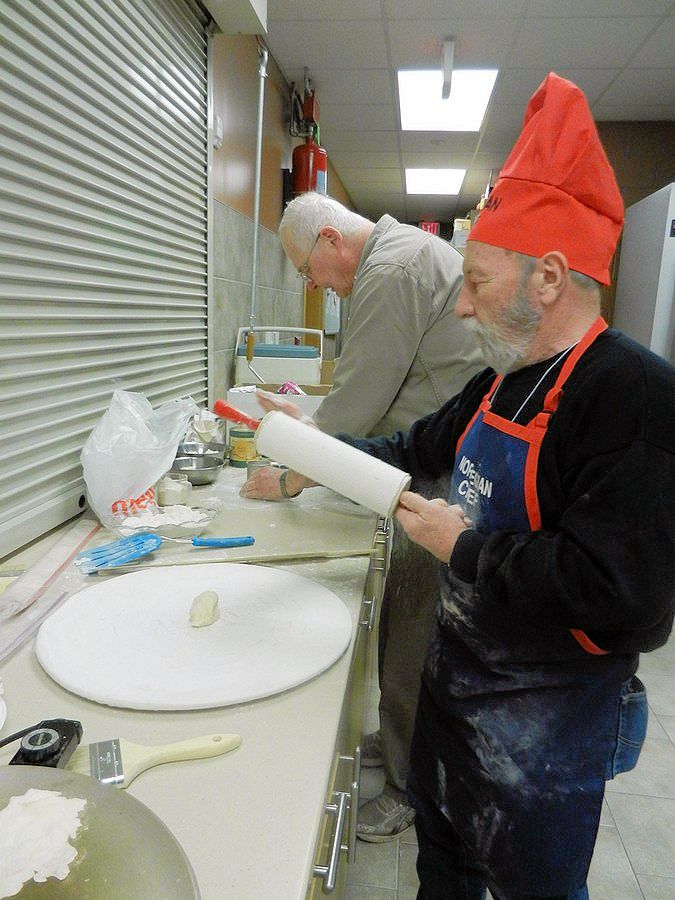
(128, 642)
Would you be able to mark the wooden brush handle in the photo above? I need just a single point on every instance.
(201, 747)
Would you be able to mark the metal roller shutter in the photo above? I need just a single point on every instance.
(103, 231)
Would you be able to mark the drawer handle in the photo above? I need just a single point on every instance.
(355, 793)
(329, 872)
(369, 621)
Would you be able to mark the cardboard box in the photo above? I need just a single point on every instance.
(327, 369)
(246, 401)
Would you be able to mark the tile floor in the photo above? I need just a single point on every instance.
(635, 850)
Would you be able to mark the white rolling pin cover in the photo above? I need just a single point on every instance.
(332, 463)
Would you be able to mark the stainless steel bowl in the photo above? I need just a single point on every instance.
(199, 469)
(193, 448)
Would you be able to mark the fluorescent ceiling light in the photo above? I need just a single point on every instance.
(423, 109)
(434, 181)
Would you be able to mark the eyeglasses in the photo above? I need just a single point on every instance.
(303, 271)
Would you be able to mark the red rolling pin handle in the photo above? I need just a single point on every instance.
(234, 415)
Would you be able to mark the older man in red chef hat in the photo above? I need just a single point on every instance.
(561, 457)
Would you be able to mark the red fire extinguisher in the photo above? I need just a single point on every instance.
(310, 168)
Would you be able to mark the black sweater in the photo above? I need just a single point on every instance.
(604, 558)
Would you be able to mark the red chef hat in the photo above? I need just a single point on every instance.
(557, 190)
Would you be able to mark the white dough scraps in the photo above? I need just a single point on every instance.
(169, 515)
(35, 830)
(204, 609)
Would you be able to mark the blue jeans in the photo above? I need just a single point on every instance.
(632, 728)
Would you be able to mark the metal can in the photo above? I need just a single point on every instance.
(242, 447)
(254, 464)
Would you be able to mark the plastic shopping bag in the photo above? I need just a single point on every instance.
(130, 448)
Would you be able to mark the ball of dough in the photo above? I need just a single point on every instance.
(204, 609)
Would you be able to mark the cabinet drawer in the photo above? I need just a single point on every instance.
(337, 838)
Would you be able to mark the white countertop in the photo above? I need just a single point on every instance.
(249, 820)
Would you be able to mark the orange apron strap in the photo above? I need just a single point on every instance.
(553, 397)
(587, 644)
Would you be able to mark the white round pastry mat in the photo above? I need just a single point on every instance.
(128, 641)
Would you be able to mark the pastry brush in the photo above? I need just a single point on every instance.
(119, 761)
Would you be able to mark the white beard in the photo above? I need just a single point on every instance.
(505, 342)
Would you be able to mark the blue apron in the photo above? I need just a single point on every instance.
(517, 723)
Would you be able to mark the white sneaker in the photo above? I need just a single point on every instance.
(384, 817)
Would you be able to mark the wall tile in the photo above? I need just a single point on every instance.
(288, 308)
(223, 372)
(270, 259)
(279, 292)
(232, 309)
(232, 244)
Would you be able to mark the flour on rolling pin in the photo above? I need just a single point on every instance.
(204, 610)
(35, 833)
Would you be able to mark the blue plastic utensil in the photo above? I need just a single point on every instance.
(127, 549)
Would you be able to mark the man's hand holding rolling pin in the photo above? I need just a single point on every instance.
(430, 523)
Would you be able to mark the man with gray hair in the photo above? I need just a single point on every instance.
(404, 353)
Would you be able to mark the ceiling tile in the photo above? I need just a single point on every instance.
(657, 50)
(493, 159)
(362, 159)
(384, 178)
(476, 180)
(638, 88)
(418, 43)
(514, 87)
(305, 10)
(580, 43)
(451, 9)
(439, 141)
(354, 86)
(354, 118)
(374, 141)
(432, 209)
(326, 48)
(578, 9)
(445, 160)
(617, 112)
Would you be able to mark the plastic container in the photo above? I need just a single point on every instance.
(173, 489)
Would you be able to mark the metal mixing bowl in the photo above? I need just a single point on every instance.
(194, 448)
(199, 469)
